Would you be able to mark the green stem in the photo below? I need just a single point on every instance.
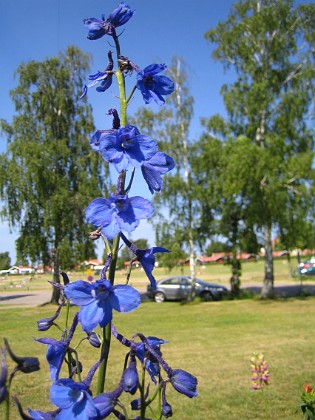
(107, 330)
(122, 95)
(103, 366)
(112, 268)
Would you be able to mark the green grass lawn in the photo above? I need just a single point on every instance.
(212, 340)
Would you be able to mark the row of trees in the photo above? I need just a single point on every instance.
(248, 175)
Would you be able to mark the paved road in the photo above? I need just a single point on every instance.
(25, 299)
(37, 298)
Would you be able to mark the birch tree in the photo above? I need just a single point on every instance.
(270, 46)
(49, 172)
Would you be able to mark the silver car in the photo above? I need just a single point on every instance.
(178, 288)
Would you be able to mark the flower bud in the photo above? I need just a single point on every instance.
(130, 378)
(24, 364)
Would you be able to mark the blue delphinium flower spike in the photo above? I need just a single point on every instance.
(98, 299)
(154, 86)
(118, 213)
(99, 27)
(126, 146)
(153, 169)
(73, 399)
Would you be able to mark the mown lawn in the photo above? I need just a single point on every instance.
(212, 340)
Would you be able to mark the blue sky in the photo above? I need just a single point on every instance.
(39, 29)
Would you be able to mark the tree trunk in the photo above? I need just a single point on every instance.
(56, 278)
(236, 273)
(192, 294)
(267, 289)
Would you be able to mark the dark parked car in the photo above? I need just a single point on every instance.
(178, 288)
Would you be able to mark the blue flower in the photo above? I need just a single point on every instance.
(153, 169)
(184, 382)
(126, 146)
(98, 28)
(130, 378)
(120, 15)
(45, 323)
(41, 415)
(98, 299)
(146, 258)
(104, 404)
(56, 351)
(152, 85)
(118, 213)
(74, 400)
(152, 366)
(105, 77)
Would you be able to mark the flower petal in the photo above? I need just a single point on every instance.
(79, 292)
(124, 298)
(90, 316)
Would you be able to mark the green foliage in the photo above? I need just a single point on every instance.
(5, 260)
(216, 246)
(49, 173)
(269, 136)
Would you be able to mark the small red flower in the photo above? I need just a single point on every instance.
(307, 388)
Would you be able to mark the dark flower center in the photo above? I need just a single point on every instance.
(149, 82)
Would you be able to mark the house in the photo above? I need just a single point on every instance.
(216, 257)
(244, 256)
(279, 254)
(93, 264)
(18, 270)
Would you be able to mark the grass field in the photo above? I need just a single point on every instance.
(212, 340)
